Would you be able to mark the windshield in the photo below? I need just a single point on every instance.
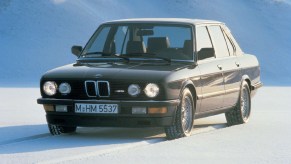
(136, 40)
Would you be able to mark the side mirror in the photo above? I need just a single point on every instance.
(76, 50)
(205, 53)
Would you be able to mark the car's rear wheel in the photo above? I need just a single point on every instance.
(241, 112)
(184, 117)
(57, 130)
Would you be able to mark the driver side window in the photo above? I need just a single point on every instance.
(204, 46)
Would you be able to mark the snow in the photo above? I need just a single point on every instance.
(265, 139)
(36, 36)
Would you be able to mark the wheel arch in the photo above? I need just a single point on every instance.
(247, 79)
(189, 84)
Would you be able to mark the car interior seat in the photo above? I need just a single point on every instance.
(135, 47)
(156, 44)
(187, 48)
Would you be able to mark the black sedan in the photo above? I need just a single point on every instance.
(152, 73)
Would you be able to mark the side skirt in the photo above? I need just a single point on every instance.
(212, 112)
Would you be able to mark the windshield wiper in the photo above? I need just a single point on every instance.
(104, 54)
(146, 55)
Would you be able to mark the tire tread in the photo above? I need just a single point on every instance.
(234, 116)
(176, 130)
(57, 130)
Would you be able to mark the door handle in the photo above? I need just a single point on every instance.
(219, 66)
(237, 64)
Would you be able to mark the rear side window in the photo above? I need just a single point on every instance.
(229, 45)
(218, 41)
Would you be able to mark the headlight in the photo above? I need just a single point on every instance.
(151, 90)
(65, 88)
(50, 88)
(133, 90)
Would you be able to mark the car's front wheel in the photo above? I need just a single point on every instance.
(57, 130)
(184, 117)
(241, 112)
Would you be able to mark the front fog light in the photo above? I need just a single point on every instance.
(61, 108)
(50, 88)
(65, 88)
(139, 110)
(151, 90)
(133, 90)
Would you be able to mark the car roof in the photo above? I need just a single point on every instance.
(165, 20)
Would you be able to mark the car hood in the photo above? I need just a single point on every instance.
(120, 71)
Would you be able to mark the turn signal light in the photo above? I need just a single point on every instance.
(157, 110)
(48, 108)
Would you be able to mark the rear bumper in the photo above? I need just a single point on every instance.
(124, 118)
(255, 88)
(257, 85)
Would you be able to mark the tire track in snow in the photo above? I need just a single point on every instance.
(34, 137)
(24, 139)
(206, 129)
(68, 159)
(102, 152)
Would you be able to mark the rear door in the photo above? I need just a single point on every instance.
(211, 73)
(232, 73)
(224, 51)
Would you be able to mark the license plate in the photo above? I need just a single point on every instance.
(96, 108)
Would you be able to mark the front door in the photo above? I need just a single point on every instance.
(212, 84)
(211, 71)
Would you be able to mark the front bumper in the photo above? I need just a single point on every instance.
(124, 118)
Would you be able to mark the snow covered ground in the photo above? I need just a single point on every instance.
(265, 139)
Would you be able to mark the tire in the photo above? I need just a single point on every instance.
(183, 118)
(240, 114)
(57, 130)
